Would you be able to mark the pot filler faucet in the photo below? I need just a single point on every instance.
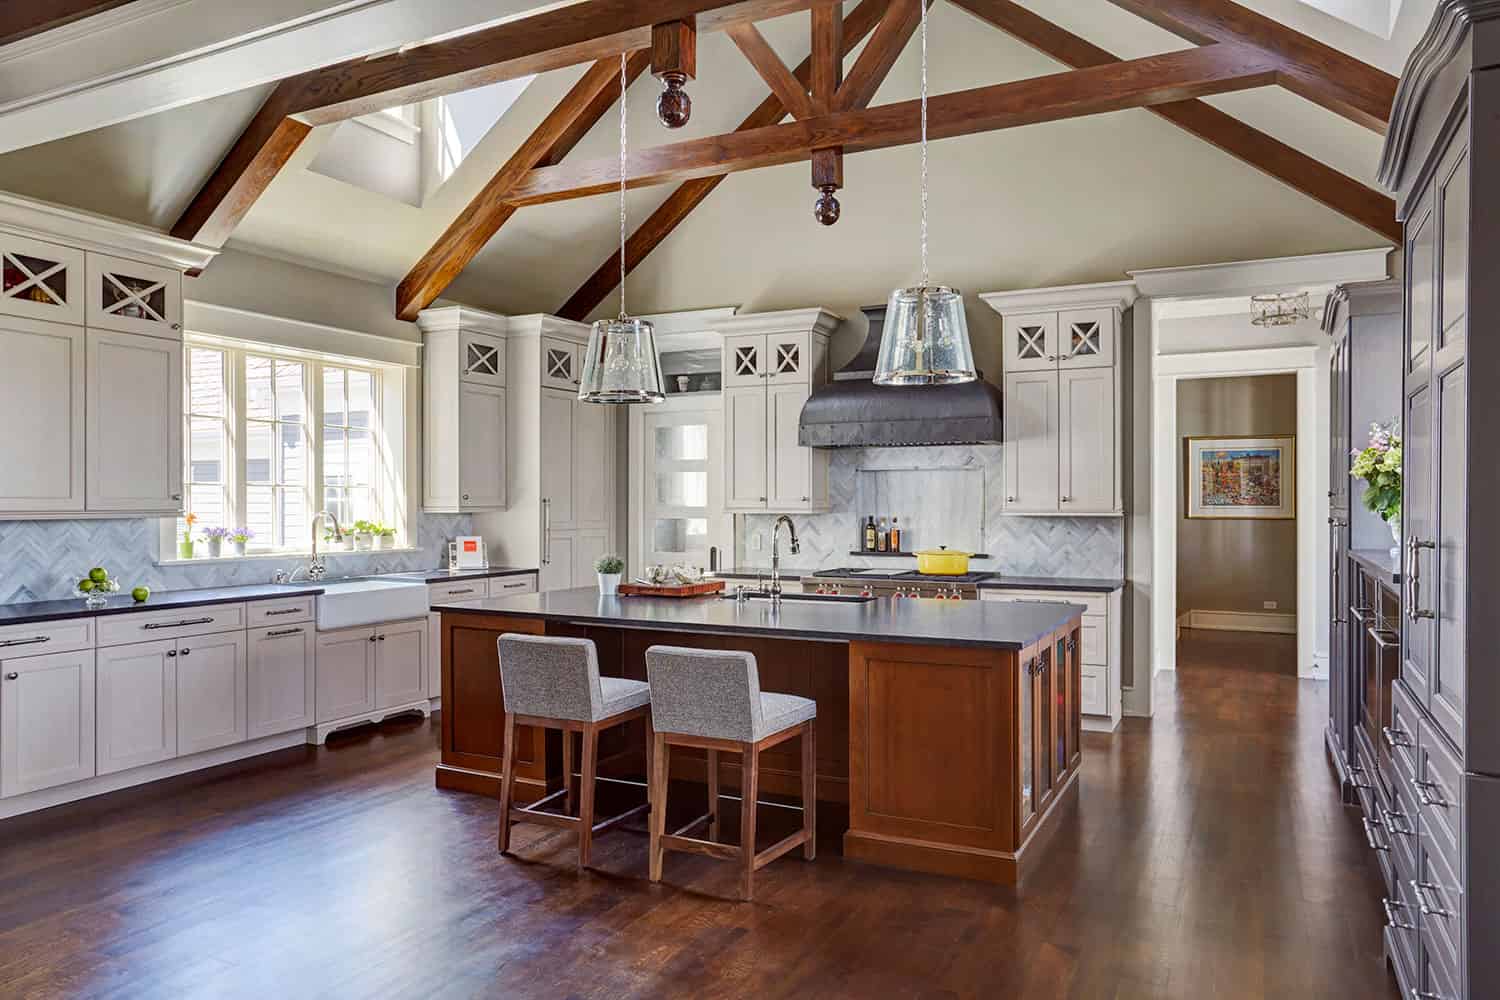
(775, 590)
(316, 568)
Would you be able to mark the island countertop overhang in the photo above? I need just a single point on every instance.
(982, 624)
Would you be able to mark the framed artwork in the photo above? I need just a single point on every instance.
(1241, 478)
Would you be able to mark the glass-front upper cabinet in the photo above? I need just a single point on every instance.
(40, 280)
(132, 297)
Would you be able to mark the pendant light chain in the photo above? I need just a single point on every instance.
(924, 143)
(623, 84)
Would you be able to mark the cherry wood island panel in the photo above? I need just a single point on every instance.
(956, 749)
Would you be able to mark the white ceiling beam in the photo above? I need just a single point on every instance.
(156, 55)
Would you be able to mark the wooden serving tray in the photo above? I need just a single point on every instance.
(671, 590)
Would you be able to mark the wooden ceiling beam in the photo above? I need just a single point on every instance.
(790, 91)
(579, 110)
(1271, 156)
(1174, 76)
(688, 196)
(1321, 73)
(24, 18)
(870, 69)
(827, 55)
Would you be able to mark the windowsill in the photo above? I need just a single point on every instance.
(281, 556)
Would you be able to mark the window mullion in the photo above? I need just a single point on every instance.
(236, 469)
(315, 429)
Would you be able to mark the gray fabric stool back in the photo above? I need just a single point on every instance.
(552, 677)
(704, 692)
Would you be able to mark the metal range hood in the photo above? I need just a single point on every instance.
(853, 412)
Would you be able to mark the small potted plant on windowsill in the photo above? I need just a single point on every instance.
(609, 568)
(215, 539)
(333, 543)
(364, 536)
(385, 537)
(239, 538)
(185, 543)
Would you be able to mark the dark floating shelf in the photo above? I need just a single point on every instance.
(905, 555)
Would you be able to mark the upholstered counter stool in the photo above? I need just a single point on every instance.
(554, 683)
(712, 700)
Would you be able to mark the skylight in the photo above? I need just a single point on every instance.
(1378, 17)
(466, 118)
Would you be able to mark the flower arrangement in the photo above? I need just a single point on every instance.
(241, 537)
(215, 539)
(185, 545)
(1379, 465)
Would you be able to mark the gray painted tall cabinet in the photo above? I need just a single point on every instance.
(1441, 158)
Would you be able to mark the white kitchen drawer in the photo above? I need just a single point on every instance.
(1094, 604)
(287, 612)
(510, 586)
(458, 590)
(172, 623)
(46, 637)
(1095, 640)
(1094, 698)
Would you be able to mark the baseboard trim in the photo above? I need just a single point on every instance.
(1279, 622)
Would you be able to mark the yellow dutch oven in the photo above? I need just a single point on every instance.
(943, 561)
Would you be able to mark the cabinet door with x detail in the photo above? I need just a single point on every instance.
(40, 280)
(1086, 338)
(132, 297)
(1030, 343)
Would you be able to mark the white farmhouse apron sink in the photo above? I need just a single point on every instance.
(352, 603)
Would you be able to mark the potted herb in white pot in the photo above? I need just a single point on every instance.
(609, 568)
(385, 537)
(239, 538)
(364, 536)
(215, 539)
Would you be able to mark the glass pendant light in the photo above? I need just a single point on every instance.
(926, 335)
(621, 365)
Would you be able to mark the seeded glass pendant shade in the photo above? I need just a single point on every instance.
(621, 365)
(925, 340)
(926, 336)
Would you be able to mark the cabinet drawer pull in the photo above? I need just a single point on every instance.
(182, 624)
(282, 611)
(172, 653)
(461, 590)
(1425, 796)
(1395, 822)
(25, 642)
(1428, 909)
(1391, 906)
(12, 676)
(284, 631)
(1375, 845)
(514, 586)
(1395, 737)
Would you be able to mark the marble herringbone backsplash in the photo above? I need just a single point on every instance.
(41, 560)
(943, 496)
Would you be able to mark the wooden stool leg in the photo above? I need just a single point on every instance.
(650, 788)
(713, 795)
(749, 789)
(507, 780)
(586, 794)
(810, 790)
(660, 769)
(568, 772)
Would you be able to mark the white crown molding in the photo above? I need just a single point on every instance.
(54, 223)
(242, 325)
(1201, 364)
(1249, 277)
(690, 320)
(538, 324)
(1099, 295)
(453, 319)
(814, 320)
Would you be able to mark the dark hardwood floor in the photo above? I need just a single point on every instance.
(1214, 649)
(1210, 858)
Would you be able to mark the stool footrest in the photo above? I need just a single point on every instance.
(781, 847)
(692, 845)
(619, 818)
(700, 821)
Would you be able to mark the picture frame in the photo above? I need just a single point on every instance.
(1244, 478)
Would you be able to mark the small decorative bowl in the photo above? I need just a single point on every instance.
(99, 596)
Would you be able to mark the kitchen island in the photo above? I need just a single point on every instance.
(950, 728)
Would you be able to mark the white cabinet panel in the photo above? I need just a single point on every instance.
(1030, 343)
(137, 706)
(481, 447)
(46, 721)
(1031, 442)
(134, 446)
(1094, 698)
(172, 623)
(791, 465)
(510, 586)
(457, 590)
(41, 416)
(560, 364)
(1095, 651)
(434, 656)
(557, 561)
(558, 488)
(41, 280)
(46, 637)
(482, 359)
(346, 674)
(1086, 338)
(744, 360)
(131, 297)
(789, 359)
(280, 691)
(588, 546)
(289, 612)
(593, 464)
(1086, 434)
(210, 692)
(400, 663)
(746, 471)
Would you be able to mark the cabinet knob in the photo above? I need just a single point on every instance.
(1066, 499)
(372, 638)
(176, 496)
(12, 676)
(177, 326)
(807, 499)
(466, 496)
(762, 499)
(185, 652)
(171, 652)
(1010, 499)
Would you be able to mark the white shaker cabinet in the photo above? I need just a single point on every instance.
(400, 663)
(481, 447)
(559, 470)
(280, 679)
(346, 674)
(42, 280)
(134, 438)
(41, 416)
(1063, 391)
(464, 417)
(133, 297)
(211, 689)
(771, 364)
(137, 705)
(46, 721)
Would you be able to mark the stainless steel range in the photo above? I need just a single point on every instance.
(894, 583)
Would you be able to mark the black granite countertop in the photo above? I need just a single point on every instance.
(1078, 584)
(446, 575)
(993, 624)
(122, 603)
(1380, 564)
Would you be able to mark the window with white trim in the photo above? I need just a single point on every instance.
(272, 437)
